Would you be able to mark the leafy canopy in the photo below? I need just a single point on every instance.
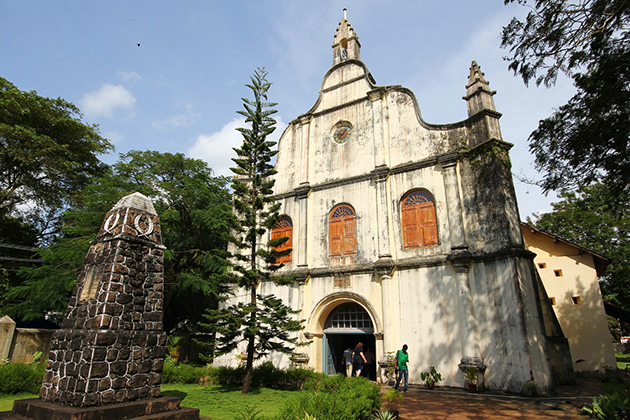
(195, 216)
(586, 140)
(46, 154)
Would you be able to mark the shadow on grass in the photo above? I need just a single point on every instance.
(174, 393)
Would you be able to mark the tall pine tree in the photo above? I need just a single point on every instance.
(264, 323)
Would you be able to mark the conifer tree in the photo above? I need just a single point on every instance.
(264, 323)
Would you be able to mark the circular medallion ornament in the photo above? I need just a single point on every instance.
(342, 133)
(148, 224)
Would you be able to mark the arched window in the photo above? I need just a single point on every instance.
(342, 231)
(349, 316)
(419, 224)
(282, 228)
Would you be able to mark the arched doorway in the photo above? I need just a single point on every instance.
(347, 325)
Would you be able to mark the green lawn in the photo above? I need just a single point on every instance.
(6, 400)
(215, 401)
(224, 402)
(623, 360)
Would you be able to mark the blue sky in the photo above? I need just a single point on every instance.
(180, 89)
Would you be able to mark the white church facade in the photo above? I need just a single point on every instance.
(405, 232)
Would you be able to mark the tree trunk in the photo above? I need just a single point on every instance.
(247, 381)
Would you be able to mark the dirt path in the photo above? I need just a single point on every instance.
(456, 404)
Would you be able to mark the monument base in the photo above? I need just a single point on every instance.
(162, 408)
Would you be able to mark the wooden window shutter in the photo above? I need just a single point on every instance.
(342, 231)
(282, 228)
(419, 224)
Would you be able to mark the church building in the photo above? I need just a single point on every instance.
(406, 232)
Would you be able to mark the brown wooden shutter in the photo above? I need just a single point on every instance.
(342, 231)
(419, 224)
(349, 236)
(428, 224)
(284, 227)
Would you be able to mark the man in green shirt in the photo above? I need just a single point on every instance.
(402, 359)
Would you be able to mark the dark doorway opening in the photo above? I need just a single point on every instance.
(338, 342)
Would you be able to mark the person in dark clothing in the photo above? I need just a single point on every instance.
(347, 361)
(358, 359)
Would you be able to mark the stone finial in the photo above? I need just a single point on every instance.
(478, 92)
(136, 201)
(346, 45)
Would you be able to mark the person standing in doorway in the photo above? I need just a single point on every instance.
(402, 360)
(368, 369)
(347, 358)
(358, 359)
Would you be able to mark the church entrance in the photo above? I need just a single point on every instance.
(346, 326)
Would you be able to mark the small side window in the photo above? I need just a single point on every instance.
(552, 300)
(576, 300)
(542, 265)
(558, 273)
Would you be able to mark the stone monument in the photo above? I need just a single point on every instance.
(106, 361)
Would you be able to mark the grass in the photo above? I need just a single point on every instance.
(623, 360)
(6, 400)
(216, 401)
(222, 402)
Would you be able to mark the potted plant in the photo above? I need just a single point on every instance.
(431, 377)
(471, 375)
(388, 368)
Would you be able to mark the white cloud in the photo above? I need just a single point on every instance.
(182, 120)
(106, 100)
(129, 76)
(216, 148)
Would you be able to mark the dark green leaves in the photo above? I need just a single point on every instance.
(586, 140)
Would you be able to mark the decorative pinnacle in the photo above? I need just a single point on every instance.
(345, 14)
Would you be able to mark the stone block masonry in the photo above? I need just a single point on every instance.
(111, 346)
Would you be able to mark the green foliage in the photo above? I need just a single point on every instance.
(587, 218)
(46, 154)
(389, 365)
(249, 412)
(335, 397)
(37, 357)
(267, 326)
(431, 376)
(610, 407)
(264, 375)
(18, 378)
(393, 399)
(385, 415)
(195, 216)
(182, 373)
(531, 389)
(471, 375)
(220, 402)
(585, 140)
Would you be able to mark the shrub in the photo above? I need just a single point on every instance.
(182, 373)
(613, 406)
(531, 389)
(16, 378)
(393, 399)
(333, 398)
(249, 412)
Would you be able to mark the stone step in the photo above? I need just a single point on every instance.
(146, 409)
